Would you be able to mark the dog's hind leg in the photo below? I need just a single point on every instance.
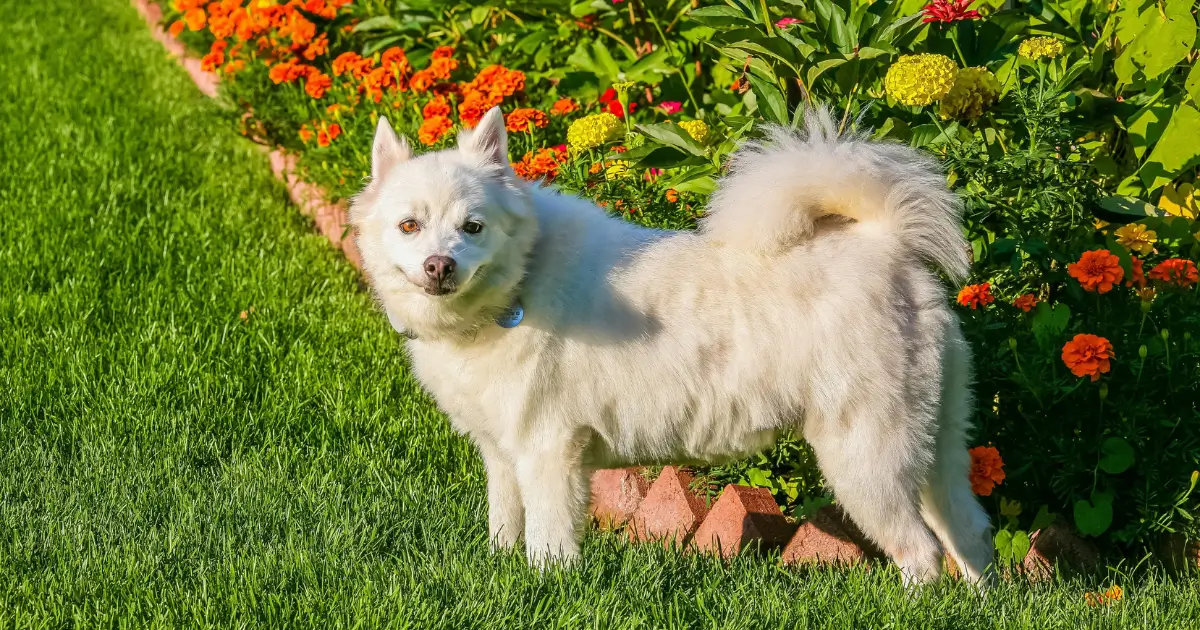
(877, 467)
(947, 502)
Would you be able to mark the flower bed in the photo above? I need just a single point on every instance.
(1069, 131)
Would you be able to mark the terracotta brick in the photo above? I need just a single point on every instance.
(829, 537)
(670, 512)
(742, 516)
(1057, 545)
(616, 495)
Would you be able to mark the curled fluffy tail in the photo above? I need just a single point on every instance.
(777, 190)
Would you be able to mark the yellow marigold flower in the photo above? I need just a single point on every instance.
(1038, 47)
(696, 129)
(1136, 238)
(592, 131)
(617, 170)
(974, 89)
(920, 79)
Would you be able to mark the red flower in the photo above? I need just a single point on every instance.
(976, 295)
(614, 108)
(1097, 271)
(987, 469)
(1088, 355)
(608, 96)
(949, 11)
(1176, 271)
(1026, 302)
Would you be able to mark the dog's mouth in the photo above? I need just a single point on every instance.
(440, 289)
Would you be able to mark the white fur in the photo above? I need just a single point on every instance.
(642, 346)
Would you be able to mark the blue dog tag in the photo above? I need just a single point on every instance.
(511, 316)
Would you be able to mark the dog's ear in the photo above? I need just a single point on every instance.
(388, 149)
(489, 140)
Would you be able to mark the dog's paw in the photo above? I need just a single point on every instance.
(544, 557)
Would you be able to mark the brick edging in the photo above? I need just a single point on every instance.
(313, 201)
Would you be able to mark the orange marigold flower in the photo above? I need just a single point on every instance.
(520, 120)
(1026, 302)
(672, 195)
(328, 134)
(176, 28)
(443, 52)
(306, 133)
(1097, 270)
(541, 164)
(1088, 355)
(433, 129)
(215, 56)
(472, 108)
(421, 81)
(395, 61)
(987, 470)
(195, 19)
(441, 68)
(437, 107)
(233, 67)
(976, 295)
(317, 83)
(345, 62)
(564, 106)
(1139, 277)
(318, 47)
(1178, 271)
(497, 82)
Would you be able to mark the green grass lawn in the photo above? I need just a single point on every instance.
(165, 463)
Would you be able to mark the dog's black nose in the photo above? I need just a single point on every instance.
(438, 268)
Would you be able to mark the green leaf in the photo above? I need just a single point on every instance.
(1049, 321)
(1128, 205)
(771, 102)
(672, 135)
(1192, 85)
(1176, 151)
(758, 477)
(1146, 126)
(1165, 41)
(1004, 545)
(1117, 456)
(1019, 545)
(1094, 517)
(700, 185)
(1042, 520)
(721, 16)
(377, 23)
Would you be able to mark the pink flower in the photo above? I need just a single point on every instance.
(949, 11)
(786, 22)
(670, 107)
(653, 173)
(560, 147)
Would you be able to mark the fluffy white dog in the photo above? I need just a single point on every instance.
(564, 340)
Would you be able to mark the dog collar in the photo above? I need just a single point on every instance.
(509, 318)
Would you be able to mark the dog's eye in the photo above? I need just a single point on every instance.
(410, 226)
(472, 227)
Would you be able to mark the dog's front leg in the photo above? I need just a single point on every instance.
(555, 491)
(506, 515)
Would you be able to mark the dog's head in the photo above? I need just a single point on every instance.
(444, 236)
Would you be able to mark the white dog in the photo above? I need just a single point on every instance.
(564, 340)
